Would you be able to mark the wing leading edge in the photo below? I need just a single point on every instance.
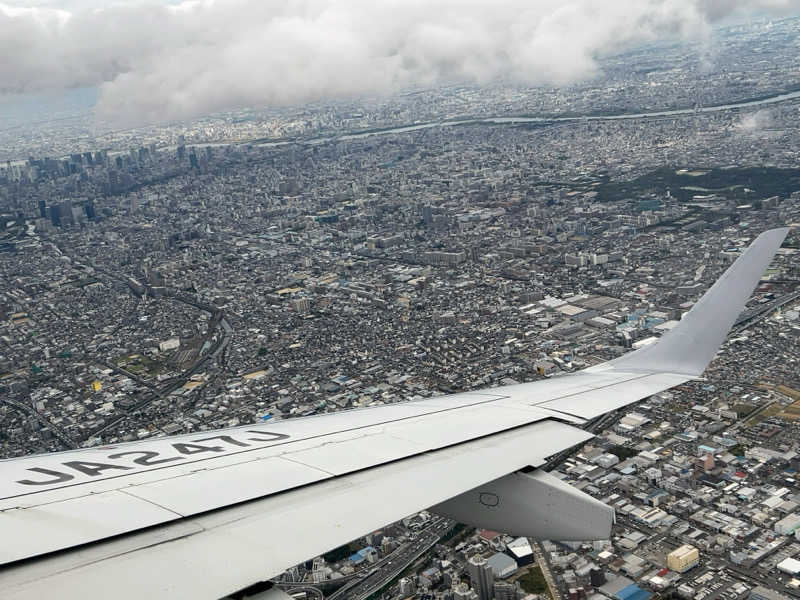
(259, 502)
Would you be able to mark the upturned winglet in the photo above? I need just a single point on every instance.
(693, 343)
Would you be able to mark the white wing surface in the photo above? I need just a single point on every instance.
(203, 515)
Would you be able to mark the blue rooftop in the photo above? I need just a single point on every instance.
(633, 592)
(359, 556)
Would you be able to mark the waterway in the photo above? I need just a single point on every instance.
(594, 117)
(501, 120)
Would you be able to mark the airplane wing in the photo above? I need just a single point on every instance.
(206, 514)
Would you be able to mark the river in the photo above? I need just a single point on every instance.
(516, 120)
(508, 121)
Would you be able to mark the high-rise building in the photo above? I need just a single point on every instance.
(77, 215)
(427, 215)
(55, 215)
(481, 577)
(91, 214)
(301, 305)
(463, 592)
(66, 212)
(43, 209)
(575, 260)
(708, 462)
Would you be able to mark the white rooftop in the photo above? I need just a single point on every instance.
(790, 566)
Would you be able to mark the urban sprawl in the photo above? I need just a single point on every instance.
(257, 266)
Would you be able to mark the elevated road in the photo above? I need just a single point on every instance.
(397, 562)
(751, 317)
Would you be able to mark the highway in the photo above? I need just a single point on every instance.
(312, 593)
(394, 564)
(751, 317)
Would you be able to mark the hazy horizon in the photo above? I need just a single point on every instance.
(160, 62)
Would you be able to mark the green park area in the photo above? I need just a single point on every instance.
(138, 364)
(533, 581)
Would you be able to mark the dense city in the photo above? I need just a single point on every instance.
(243, 270)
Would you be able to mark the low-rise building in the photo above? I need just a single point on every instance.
(684, 558)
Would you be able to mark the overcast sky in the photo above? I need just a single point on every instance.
(156, 61)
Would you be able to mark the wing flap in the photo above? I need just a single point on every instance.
(76, 521)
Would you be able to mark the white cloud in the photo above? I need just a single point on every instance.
(157, 61)
(755, 122)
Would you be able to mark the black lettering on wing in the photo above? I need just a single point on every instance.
(196, 448)
(93, 469)
(267, 436)
(225, 438)
(58, 477)
(147, 458)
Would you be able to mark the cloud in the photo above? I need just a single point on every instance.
(157, 62)
(755, 122)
